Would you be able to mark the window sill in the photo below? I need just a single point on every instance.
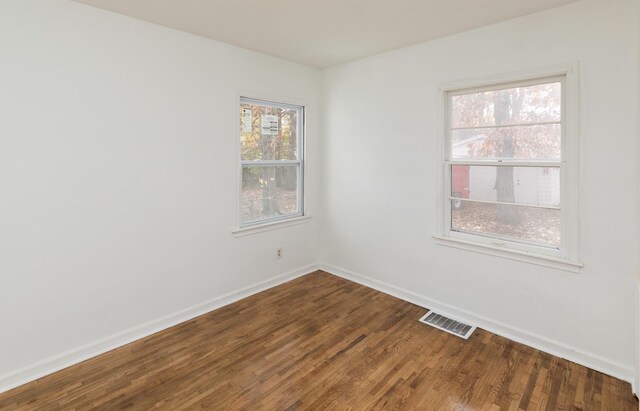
(274, 225)
(543, 260)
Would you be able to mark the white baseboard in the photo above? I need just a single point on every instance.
(541, 343)
(50, 365)
(56, 363)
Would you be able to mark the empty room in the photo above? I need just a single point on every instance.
(302, 205)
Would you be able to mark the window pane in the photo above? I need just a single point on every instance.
(522, 185)
(539, 225)
(269, 192)
(538, 103)
(540, 142)
(268, 133)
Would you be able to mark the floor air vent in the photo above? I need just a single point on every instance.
(447, 324)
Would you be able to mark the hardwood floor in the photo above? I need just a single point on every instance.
(321, 342)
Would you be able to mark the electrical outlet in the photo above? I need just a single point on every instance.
(279, 253)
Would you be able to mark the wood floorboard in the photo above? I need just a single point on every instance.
(321, 342)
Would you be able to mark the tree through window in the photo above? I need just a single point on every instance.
(504, 162)
(271, 137)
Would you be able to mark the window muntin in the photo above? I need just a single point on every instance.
(271, 157)
(504, 165)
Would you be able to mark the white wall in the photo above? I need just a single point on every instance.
(379, 191)
(118, 171)
(118, 178)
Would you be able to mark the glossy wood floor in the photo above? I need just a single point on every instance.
(321, 342)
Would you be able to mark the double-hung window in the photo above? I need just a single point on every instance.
(507, 170)
(271, 157)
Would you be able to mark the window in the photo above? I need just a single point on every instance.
(507, 172)
(271, 157)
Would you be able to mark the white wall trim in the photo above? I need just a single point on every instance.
(569, 252)
(58, 362)
(541, 343)
(303, 204)
(272, 225)
(516, 255)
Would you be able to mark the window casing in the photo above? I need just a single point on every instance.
(271, 162)
(510, 166)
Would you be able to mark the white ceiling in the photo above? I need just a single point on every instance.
(323, 33)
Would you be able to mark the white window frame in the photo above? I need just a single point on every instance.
(245, 228)
(566, 257)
